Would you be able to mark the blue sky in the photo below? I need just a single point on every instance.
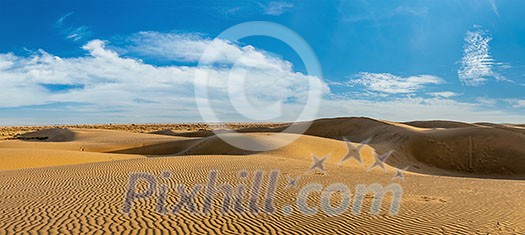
(135, 61)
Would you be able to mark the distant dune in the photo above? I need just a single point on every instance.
(74, 178)
(459, 148)
(432, 147)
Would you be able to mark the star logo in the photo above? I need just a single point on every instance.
(380, 160)
(400, 173)
(353, 153)
(318, 162)
(292, 182)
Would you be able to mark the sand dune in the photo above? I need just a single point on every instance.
(50, 135)
(430, 147)
(19, 158)
(87, 140)
(74, 180)
(481, 151)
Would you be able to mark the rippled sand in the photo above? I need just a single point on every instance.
(461, 179)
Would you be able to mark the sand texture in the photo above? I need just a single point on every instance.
(457, 178)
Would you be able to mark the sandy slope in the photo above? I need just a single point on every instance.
(16, 158)
(88, 140)
(68, 194)
(89, 197)
(432, 147)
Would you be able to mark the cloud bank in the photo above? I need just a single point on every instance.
(106, 86)
(104, 80)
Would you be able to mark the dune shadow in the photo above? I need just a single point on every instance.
(48, 135)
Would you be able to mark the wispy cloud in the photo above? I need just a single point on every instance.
(189, 47)
(494, 7)
(417, 108)
(276, 8)
(486, 101)
(70, 32)
(410, 10)
(444, 94)
(235, 11)
(61, 20)
(477, 64)
(78, 33)
(358, 11)
(231, 11)
(392, 84)
(516, 103)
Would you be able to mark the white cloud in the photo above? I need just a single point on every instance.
(443, 94)
(477, 64)
(190, 48)
(486, 101)
(110, 82)
(113, 88)
(276, 8)
(516, 103)
(170, 46)
(408, 109)
(392, 84)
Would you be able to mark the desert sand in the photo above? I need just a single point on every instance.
(457, 178)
